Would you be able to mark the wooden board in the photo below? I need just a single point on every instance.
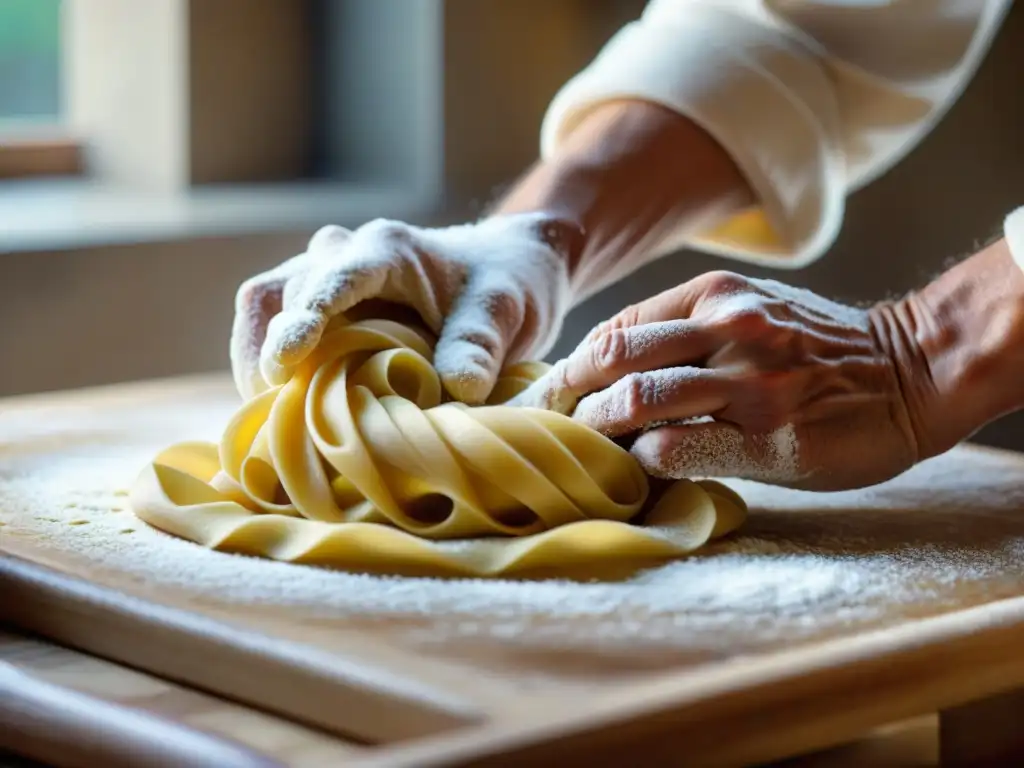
(102, 681)
(826, 616)
(912, 742)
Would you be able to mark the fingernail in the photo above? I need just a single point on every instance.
(549, 392)
(468, 387)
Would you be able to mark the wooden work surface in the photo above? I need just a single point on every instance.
(825, 616)
(910, 743)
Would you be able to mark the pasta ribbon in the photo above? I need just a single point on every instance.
(359, 463)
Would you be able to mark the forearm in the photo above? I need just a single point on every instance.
(967, 329)
(628, 174)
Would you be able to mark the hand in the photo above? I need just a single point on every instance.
(735, 377)
(495, 291)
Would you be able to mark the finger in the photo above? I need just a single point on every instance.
(720, 449)
(332, 286)
(328, 240)
(549, 392)
(678, 303)
(257, 301)
(609, 356)
(325, 242)
(652, 334)
(475, 340)
(641, 399)
(327, 291)
(254, 308)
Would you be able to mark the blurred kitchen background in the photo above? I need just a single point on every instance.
(155, 153)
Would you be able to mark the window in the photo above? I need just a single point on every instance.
(186, 116)
(31, 143)
(30, 60)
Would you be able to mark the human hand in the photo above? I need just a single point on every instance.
(495, 292)
(726, 376)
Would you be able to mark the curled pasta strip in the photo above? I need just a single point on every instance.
(359, 463)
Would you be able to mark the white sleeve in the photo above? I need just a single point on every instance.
(1013, 230)
(812, 99)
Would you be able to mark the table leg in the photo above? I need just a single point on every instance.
(986, 732)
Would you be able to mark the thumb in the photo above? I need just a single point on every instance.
(708, 448)
(474, 342)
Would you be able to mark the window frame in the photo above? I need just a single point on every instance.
(407, 122)
(41, 154)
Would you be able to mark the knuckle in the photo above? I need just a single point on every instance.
(636, 396)
(503, 305)
(624, 318)
(326, 237)
(776, 309)
(386, 231)
(627, 317)
(609, 350)
(748, 320)
(486, 339)
(721, 281)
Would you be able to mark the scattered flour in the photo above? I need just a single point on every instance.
(705, 448)
(787, 577)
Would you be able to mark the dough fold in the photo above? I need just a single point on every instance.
(359, 463)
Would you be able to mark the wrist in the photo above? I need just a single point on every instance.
(629, 174)
(958, 347)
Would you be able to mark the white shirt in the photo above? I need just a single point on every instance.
(813, 99)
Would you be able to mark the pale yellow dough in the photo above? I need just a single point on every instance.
(356, 463)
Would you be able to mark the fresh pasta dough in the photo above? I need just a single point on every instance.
(359, 463)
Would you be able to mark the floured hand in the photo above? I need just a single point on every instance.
(734, 377)
(494, 291)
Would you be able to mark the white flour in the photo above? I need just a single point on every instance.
(641, 398)
(705, 449)
(790, 576)
(716, 451)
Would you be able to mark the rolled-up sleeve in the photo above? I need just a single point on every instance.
(812, 100)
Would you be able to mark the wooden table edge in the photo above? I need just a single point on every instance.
(43, 721)
(879, 676)
(348, 697)
(765, 700)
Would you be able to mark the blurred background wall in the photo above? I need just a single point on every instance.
(158, 306)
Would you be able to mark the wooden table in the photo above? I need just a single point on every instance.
(911, 743)
(914, 606)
